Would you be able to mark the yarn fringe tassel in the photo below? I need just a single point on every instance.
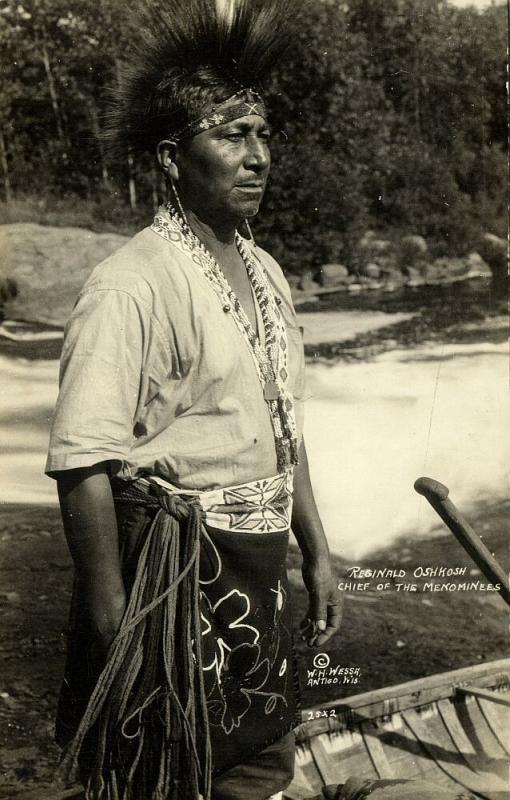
(146, 722)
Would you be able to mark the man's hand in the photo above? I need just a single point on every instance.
(325, 602)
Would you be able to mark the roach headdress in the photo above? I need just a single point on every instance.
(187, 58)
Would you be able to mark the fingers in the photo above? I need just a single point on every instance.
(317, 632)
(333, 624)
(318, 607)
(310, 631)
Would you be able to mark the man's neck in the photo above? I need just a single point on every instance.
(217, 237)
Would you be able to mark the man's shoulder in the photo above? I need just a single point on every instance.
(141, 267)
(133, 258)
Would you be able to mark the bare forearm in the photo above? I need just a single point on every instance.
(324, 607)
(306, 522)
(90, 526)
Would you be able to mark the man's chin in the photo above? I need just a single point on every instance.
(249, 208)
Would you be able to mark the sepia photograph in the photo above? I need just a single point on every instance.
(229, 228)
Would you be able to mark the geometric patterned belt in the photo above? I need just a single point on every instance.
(261, 506)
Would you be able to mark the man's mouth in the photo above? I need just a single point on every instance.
(251, 186)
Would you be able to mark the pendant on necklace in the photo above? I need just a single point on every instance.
(271, 391)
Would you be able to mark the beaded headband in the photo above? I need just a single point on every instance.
(223, 113)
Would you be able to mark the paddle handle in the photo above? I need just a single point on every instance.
(437, 495)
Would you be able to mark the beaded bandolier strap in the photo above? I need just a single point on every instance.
(271, 358)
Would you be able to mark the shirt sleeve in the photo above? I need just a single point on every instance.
(106, 348)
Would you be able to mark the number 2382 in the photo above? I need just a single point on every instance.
(324, 713)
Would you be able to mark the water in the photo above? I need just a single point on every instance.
(459, 297)
(372, 427)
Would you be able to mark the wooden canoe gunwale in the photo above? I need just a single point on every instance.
(380, 704)
(433, 730)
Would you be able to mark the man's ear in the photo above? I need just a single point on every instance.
(166, 152)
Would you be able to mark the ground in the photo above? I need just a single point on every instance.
(390, 636)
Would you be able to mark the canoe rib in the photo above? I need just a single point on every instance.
(376, 751)
(498, 723)
(484, 784)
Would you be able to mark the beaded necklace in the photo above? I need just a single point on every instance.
(270, 359)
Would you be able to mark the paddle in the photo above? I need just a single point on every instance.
(437, 495)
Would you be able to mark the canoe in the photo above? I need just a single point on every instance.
(452, 730)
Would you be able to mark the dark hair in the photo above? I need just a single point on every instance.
(187, 57)
(181, 98)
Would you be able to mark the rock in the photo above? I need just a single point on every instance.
(370, 270)
(370, 248)
(444, 269)
(293, 280)
(494, 251)
(388, 266)
(477, 267)
(412, 249)
(333, 274)
(457, 267)
(48, 266)
(414, 276)
(307, 282)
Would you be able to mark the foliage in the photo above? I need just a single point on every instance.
(386, 116)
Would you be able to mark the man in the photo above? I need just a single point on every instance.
(177, 445)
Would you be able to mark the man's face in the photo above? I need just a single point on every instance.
(223, 171)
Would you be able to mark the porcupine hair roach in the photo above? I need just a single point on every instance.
(186, 56)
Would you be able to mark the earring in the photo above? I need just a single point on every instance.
(177, 199)
(250, 234)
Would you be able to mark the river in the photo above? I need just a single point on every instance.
(372, 428)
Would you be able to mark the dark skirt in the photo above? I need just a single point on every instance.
(246, 640)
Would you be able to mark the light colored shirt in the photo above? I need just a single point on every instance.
(156, 378)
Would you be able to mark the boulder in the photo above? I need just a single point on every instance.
(444, 269)
(333, 274)
(457, 267)
(477, 267)
(307, 282)
(371, 248)
(494, 251)
(412, 250)
(370, 270)
(413, 276)
(48, 266)
(388, 266)
(293, 280)
(393, 277)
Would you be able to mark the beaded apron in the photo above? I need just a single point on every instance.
(188, 581)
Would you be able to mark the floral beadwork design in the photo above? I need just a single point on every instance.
(240, 661)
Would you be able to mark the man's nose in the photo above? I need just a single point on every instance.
(257, 156)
